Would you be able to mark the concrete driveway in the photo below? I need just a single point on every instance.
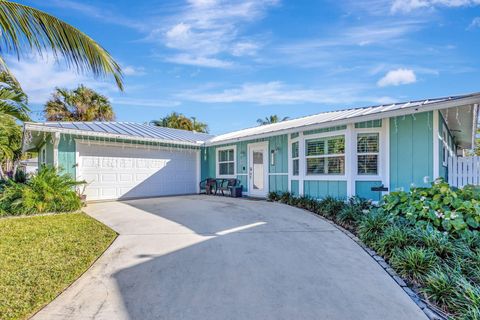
(204, 257)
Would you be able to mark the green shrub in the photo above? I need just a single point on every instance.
(371, 227)
(20, 176)
(414, 263)
(467, 300)
(394, 237)
(46, 191)
(273, 196)
(353, 212)
(441, 287)
(439, 242)
(453, 211)
(330, 207)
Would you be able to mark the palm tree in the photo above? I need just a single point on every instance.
(24, 28)
(80, 104)
(271, 119)
(10, 143)
(177, 120)
(13, 101)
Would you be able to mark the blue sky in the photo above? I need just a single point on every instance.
(230, 62)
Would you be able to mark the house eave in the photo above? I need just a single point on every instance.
(471, 100)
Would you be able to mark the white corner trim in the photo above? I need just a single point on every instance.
(436, 150)
(386, 175)
(56, 141)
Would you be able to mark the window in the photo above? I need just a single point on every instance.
(295, 160)
(226, 162)
(325, 155)
(367, 153)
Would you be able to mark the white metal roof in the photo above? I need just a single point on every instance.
(347, 116)
(124, 130)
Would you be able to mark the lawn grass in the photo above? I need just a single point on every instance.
(41, 255)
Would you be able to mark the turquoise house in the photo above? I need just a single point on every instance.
(362, 152)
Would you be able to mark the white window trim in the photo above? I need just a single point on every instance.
(217, 169)
(296, 140)
(378, 154)
(382, 154)
(325, 176)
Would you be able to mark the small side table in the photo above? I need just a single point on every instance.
(236, 192)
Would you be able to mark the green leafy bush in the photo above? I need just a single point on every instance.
(371, 227)
(394, 237)
(46, 191)
(439, 242)
(452, 211)
(414, 263)
(441, 287)
(353, 212)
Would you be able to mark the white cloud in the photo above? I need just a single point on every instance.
(397, 77)
(199, 61)
(406, 6)
(39, 77)
(133, 71)
(276, 92)
(206, 31)
(475, 23)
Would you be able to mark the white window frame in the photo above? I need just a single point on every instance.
(357, 154)
(297, 141)
(383, 156)
(217, 162)
(325, 176)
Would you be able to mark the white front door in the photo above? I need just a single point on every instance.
(258, 169)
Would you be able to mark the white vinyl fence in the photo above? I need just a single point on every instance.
(463, 171)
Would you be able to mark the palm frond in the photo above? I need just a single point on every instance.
(24, 28)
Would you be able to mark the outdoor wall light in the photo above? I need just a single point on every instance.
(272, 155)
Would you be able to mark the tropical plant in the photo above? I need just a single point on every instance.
(441, 207)
(177, 120)
(47, 191)
(24, 29)
(270, 119)
(10, 143)
(80, 104)
(13, 101)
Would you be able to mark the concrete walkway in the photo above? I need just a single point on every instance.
(205, 257)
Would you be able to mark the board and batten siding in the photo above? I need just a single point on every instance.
(321, 189)
(411, 151)
(67, 161)
(278, 172)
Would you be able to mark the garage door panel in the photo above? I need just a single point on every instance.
(125, 172)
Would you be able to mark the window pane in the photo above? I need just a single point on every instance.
(316, 166)
(315, 147)
(336, 145)
(222, 155)
(295, 150)
(367, 142)
(336, 165)
(230, 155)
(295, 167)
(368, 164)
(226, 168)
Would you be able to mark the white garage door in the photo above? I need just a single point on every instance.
(121, 172)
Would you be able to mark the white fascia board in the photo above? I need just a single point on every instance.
(366, 117)
(42, 128)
